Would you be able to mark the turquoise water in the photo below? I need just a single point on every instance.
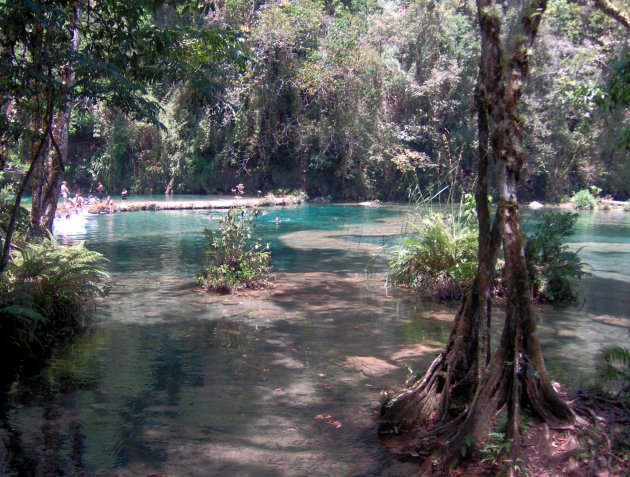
(172, 242)
(572, 335)
(285, 382)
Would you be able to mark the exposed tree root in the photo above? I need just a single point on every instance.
(449, 381)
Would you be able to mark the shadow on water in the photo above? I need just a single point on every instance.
(287, 385)
(279, 382)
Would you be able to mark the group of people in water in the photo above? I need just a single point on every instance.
(77, 203)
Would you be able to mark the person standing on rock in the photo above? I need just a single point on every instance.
(78, 202)
(99, 191)
(64, 193)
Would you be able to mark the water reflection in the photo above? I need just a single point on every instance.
(232, 391)
(276, 383)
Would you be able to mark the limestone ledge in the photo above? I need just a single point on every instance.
(134, 206)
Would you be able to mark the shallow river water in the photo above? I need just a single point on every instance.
(167, 380)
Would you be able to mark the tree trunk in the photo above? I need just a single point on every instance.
(516, 375)
(38, 152)
(452, 378)
(170, 186)
(6, 249)
(7, 111)
(461, 365)
(49, 169)
(41, 121)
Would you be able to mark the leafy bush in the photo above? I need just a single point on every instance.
(551, 265)
(440, 258)
(613, 368)
(234, 259)
(22, 223)
(291, 197)
(48, 284)
(585, 199)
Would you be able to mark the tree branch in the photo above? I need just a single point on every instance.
(613, 12)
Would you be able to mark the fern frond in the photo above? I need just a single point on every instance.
(614, 363)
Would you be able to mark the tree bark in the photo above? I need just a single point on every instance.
(516, 374)
(452, 378)
(6, 249)
(170, 186)
(49, 169)
(39, 152)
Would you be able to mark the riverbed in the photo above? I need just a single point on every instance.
(281, 382)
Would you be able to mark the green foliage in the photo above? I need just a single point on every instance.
(235, 259)
(566, 15)
(618, 86)
(586, 199)
(439, 258)
(130, 158)
(613, 368)
(467, 445)
(22, 220)
(575, 141)
(124, 47)
(47, 285)
(552, 266)
(496, 448)
(352, 99)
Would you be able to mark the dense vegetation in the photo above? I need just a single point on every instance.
(354, 99)
(234, 258)
(450, 411)
(439, 257)
(342, 98)
(552, 267)
(47, 287)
